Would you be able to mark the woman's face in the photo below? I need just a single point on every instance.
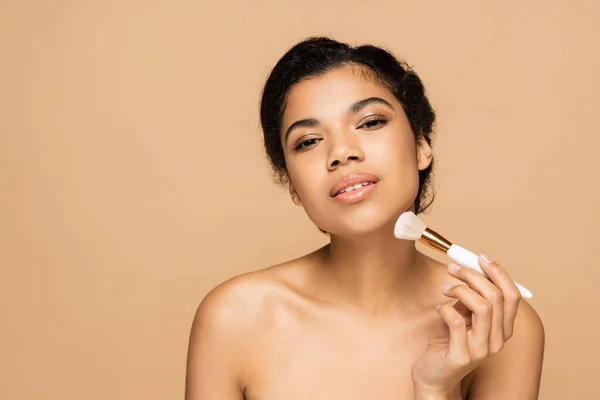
(340, 131)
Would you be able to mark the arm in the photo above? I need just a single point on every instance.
(515, 372)
(214, 350)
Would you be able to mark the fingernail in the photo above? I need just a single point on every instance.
(454, 267)
(445, 288)
(486, 258)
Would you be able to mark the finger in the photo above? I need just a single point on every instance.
(465, 312)
(458, 349)
(510, 292)
(462, 309)
(488, 290)
(482, 317)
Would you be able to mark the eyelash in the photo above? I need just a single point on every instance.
(379, 120)
(303, 144)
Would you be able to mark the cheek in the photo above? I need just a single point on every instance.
(396, 151)
(311, 181)
(396, 157)
(306, 174)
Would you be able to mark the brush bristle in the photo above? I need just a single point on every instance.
(409, 226)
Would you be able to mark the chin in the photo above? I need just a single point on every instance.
(361, 221)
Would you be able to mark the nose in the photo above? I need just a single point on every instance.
(344, 149)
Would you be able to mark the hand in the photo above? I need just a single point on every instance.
(469, 331)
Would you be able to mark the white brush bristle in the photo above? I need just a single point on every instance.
(409, 226)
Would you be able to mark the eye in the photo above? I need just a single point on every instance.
(374, 123)
(306, 143)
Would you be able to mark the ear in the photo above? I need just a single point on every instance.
(294, 195)
(424, 154)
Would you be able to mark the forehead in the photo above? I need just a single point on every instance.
(331, 93)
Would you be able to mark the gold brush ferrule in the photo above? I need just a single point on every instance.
(434, 240)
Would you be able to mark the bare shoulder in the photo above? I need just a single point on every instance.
(515, 372)
(241, 303)
(528, 324)
(526, 344)
(227, 324)
(528, 331)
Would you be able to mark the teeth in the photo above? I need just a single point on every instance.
(351, 188)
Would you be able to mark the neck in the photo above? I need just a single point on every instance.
(376, 273)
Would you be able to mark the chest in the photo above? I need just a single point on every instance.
(329, 361)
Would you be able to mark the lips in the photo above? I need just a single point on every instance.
(351, 181)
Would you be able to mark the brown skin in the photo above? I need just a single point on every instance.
(357, 319)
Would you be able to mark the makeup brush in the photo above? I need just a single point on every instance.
(410, 227)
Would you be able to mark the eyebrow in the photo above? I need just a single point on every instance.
(353, 109)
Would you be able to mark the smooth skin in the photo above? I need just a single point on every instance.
(366, 316)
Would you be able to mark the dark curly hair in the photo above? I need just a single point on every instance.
(316, 56)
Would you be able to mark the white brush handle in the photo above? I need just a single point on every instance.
(467, 259)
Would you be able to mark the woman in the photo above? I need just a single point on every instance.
(348, 130)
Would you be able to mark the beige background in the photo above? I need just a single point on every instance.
(133, 180)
